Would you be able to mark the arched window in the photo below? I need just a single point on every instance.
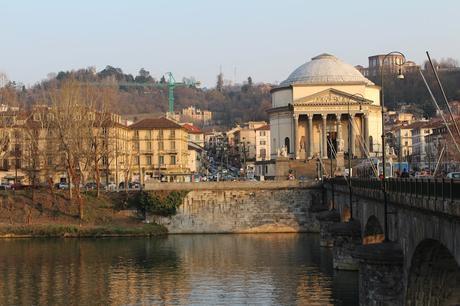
(371, 144)
(286, 144)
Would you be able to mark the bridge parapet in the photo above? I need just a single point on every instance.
(434, 195)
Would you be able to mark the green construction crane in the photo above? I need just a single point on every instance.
(171, 83)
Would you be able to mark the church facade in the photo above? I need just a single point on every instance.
(311, 111)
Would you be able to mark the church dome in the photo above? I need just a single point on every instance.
(325, 69)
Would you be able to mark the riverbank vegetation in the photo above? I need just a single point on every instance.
(163, 204)
(54, 215)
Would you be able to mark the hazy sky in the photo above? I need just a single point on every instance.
(265, 39)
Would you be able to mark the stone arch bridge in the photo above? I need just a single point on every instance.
(419, 265)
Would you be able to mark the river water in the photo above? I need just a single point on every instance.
(262, 269)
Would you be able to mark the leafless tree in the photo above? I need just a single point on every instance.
(69, 113)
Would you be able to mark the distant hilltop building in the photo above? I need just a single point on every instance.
(392, 65)
(193, 114)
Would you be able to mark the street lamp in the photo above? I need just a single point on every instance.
(382, 101)
(350, 130)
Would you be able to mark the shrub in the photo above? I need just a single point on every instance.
(158, 204)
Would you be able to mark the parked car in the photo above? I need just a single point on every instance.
(5, 186)
(17, 186)
(63, 185)
(111, 186)
(453, 175)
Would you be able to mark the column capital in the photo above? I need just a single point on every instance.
(338, 116)
(295, 116)
(310, 116)
(324, 116)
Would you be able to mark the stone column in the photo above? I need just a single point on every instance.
(346, 236)
(326, 220)
(339, 133)
(380, 274)
(310, 136)
(339, 159)
(296, 135)
(352, 135)
(324, 116)
(366, 130)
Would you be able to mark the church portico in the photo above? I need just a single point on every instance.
(328, 95)
(315, 133)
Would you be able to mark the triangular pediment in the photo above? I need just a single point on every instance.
(332, 96)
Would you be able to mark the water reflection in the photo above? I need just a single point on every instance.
(280, 269)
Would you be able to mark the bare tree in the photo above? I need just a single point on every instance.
(69, 113)
(100, 131)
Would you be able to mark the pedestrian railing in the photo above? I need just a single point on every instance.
(431, 188)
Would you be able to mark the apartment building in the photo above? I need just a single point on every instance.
(160, 150)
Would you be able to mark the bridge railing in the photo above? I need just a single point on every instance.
(431, 188)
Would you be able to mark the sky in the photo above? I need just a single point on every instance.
(264, 39)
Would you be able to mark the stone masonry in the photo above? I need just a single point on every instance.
(232, 207)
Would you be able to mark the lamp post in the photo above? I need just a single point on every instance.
(350, 130)
(382, 102)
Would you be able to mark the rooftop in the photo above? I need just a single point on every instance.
(192, 129)
(155, 123)
(264, 128)
(325, 69)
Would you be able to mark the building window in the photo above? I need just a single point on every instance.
(262, 133)
(172, 134)
(160, 134)
(263, 153)
(161, 160)
(286, 144)
(160, 145)
(173, 145)
(148, 135)
(136, 160)
(173, 160)
(49, 160)
(149, 146)
(149, 160)
(262, 142)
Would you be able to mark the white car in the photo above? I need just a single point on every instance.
(453, 175)
(111, 186)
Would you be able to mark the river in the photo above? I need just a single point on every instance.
(259, 269)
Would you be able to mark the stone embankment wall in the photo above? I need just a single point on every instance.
(244, 207)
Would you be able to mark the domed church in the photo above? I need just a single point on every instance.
(311, 110)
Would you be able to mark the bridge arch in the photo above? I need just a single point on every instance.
(434, 276)
(373, 232)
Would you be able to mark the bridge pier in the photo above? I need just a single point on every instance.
(380, 274)
(346, 236)
(326, 219)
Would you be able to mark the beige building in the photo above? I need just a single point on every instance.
(312, 107)
(195, 134)
(245, 139)
(403, 141)
(160, 150)
(263, 143)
